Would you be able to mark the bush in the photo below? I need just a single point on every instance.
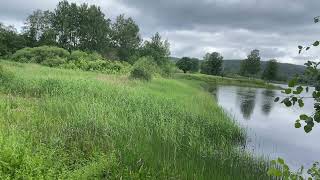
(148, 64)
(144, 69)
(39, 54)
(58, 57)
(78, 55)
(54, 62)
(141, 73)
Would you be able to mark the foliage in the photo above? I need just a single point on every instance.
(125, 37)
(212, 64)
(281, 169)
(251, 65)
(10, 40)
(38, 29)
(39, 54)
(236, 81)
(157, 48)
(140, 73)
(58, 57)
(144, 69)
(285, 71)
(271, 70)
(54, 61)
(165, 129)
(185, 64)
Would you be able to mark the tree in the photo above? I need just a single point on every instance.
(271, 70)
(125, 37)
(212, 64)
(185, 64)
(157, 48)
(251, 65)
(66, 19)
(10, 40)
(195, 65)
(94, 30)
(38, 29)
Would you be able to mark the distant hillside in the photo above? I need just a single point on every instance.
(286, 70)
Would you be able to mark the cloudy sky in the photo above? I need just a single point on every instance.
(231, 27)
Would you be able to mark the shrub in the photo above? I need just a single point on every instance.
(141, 73)
(144, 69)
(78, 55)
(148, 64)
(39, 54)
(54, 61)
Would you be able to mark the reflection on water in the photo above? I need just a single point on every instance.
(270, 125)
(246, 99)
(267, 101)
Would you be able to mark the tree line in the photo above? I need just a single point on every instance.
(84, 27)
(212, 64)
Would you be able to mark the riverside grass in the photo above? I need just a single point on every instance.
(67, 124)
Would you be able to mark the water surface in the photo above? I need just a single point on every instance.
(270, 125)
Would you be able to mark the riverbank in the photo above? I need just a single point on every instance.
(218, 80)
(66, 124)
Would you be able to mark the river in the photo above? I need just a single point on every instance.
(270, 126)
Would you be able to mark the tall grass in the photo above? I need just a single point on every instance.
(66, 124)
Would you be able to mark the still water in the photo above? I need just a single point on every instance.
(270, 125)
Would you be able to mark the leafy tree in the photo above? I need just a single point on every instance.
(185, 64)
(251, 65)
(94, 29)
(212, 64)
(125, 37)
(157, 48)
(65, 22)
(10, 40)
(271, 70)
(195, 65)
(38, 29)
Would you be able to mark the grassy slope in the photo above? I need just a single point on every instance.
(58, 123)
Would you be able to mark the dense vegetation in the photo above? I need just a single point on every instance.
(58, 123)
(82, 27)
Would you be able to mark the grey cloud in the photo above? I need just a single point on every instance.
(231, 27)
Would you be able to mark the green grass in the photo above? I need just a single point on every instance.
(66, 124)
(214, 80)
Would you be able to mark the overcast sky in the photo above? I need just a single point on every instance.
(194, 27)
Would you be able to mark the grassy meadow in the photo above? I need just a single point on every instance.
(70, 124)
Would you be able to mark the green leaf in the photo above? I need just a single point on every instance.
(317, 117)
(274, 172)
(307, 128)
(287, 91)
(287, 103)
(316, 43)
(294, 99)
(300, 47)
(292, 82)
(297, 125)
(304, 117)
(307, 48)
(281, 161)
(276, 99)
(300, 102)
(299, 89)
